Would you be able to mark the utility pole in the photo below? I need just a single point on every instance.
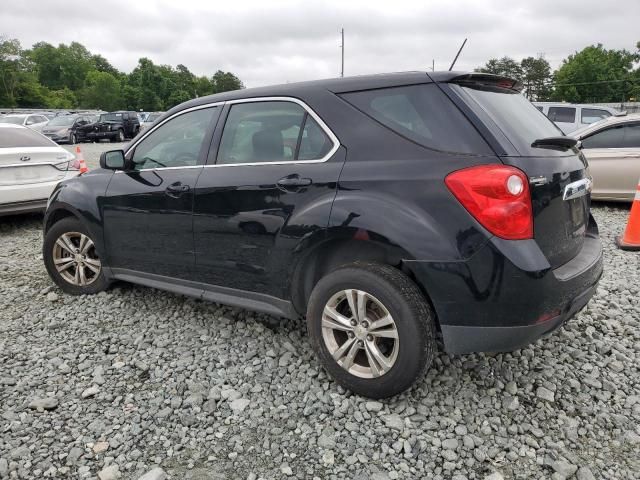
(342, 47)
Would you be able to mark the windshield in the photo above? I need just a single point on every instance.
(153, 117)
(520, 121)
(14, 120)
(111, 117)
(64, 121)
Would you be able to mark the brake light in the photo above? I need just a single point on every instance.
(497, 196)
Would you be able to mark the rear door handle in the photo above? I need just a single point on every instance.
(176, 189)
(293, 181)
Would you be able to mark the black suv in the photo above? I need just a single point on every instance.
(385, 208)
(114, 126)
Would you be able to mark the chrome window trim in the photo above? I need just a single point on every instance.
(177, 114)
(307, 108)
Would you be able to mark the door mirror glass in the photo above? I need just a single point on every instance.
(113, 160)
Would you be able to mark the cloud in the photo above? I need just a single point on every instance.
(279, 41)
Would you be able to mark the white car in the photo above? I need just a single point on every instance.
(35, 121)
(31, 166)
(570, 117)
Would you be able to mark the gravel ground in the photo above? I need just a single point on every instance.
(136, 382)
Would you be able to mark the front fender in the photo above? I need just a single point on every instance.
(81, 197)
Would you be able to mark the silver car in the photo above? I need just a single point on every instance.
(35, 121)
(31, 165)
(612, 148)
(569, 117)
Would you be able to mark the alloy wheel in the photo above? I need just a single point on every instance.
(360, 333)
(75, 259)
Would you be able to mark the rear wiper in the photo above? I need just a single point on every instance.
(562, 142)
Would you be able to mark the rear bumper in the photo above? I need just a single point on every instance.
(29, 197)
(23, 207)
(507, 296)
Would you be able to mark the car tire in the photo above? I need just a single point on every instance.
(120, 137)
(71, 259)
(73, 139)
(382, 366)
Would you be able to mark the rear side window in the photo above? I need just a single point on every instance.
(562, 114)
(608, 138)
(22, 138)
(423, 114)
(266, 132)
(632, 136)
(592, 115)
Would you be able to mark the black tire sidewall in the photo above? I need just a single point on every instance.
(416, 334)
(68, 224)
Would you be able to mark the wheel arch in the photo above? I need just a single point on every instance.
(344, 246)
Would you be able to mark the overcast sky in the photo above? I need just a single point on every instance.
(266, 42)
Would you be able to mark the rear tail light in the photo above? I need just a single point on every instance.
(497, 196)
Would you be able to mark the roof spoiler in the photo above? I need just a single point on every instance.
(487, 80)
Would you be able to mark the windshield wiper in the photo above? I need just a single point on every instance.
(562, 142)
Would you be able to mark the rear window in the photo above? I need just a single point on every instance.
(562, 114)
(22, 137)
(423, 114)
(520, 121)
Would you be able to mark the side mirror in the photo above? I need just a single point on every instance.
(113, 160)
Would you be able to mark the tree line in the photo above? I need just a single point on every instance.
(594, 74)
(70, 76)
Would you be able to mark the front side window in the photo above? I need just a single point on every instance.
(562, 114)
(592, 115)
(273, 131)
(176, 143)
(608, 138)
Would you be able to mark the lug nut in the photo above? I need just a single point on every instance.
(360, 342)
(370, 338)
(365, 324)
(353, 322)
(350, 334)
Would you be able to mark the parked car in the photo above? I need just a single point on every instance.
(31, 165)
(570, 117)
(114, 126)
(33, 121)
(68, 128)
(407, 203)
(612, 148)
(150, 119)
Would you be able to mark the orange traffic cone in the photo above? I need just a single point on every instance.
(631, 238)
(80, 158)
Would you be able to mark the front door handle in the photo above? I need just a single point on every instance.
(293, 181)
(176, 189)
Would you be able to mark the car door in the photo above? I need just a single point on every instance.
(613, 154)
(148, 207)
(270, 180)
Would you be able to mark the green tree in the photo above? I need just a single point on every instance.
(64, 98)
(506, 66)
(102, 91)
(225, 81)
(596, 74)
(11, 69)
(536, 75)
